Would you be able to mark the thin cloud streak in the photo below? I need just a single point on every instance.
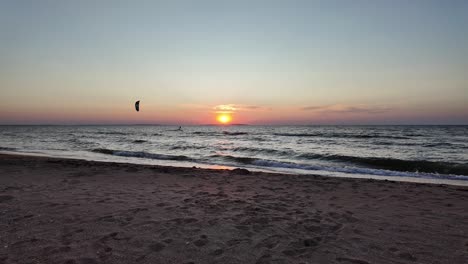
(233, 108)
(347, 109)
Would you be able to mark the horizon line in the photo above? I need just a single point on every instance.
(227, 125)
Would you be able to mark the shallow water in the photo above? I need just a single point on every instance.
(438, 152)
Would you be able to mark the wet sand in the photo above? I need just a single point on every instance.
(73, 211)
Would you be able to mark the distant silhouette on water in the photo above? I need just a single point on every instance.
(174, 130)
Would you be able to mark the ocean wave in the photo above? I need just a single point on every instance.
(7, 149)
(236, 159)
(234, 133)
(141, 154)
(261, 150)
(258, 139)
(139, 141)
(8, 134)
(443, 144)
(261, 162)
(396, 143)
(215, 133)
(341, 169)
(186, 147)
(111, 133)
(414, 135)
(396, 164)
(338, 135)
(205, 133)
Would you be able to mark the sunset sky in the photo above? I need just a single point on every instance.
(263, 62)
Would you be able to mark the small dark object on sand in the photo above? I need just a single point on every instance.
(310, 242)
(241, 171)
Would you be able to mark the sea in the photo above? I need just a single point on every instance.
(437, 154)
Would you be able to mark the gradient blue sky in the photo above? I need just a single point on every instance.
(273, 62)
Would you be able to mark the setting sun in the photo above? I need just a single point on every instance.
(224, 118)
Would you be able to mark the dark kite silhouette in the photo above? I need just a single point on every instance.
(137, 106)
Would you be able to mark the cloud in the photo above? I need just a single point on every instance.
(226, 109)
(252, 107)
(347, 109)
(223, 108)
(232, 108)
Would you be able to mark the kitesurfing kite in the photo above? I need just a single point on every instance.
(137, 106)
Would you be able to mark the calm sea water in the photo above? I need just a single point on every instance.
(438, 152)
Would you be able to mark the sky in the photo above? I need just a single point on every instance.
(261, 62)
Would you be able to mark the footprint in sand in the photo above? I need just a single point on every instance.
(217, 252)
(351, 260)
(264, 259)
(168, 240)
(202, 241)
(299, 247)
(157, 246)
(407, 256)
(5, 198)
(393, 249)
(233, 242)
(87, 261)
(312, 242)
(293, 252)
(270, 242)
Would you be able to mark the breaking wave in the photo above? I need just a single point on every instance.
(111, 133)
(215, 133)
(338, 135)
(141, 154)
(377, 166)
(7, 149)
(234, 133)
(396, 164)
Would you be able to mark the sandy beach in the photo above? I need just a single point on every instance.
(74, 211)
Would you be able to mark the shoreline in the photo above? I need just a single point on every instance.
(75, 211)
(150, 162)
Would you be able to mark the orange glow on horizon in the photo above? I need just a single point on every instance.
(224, 119)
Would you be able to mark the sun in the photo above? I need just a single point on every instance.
(224, 118)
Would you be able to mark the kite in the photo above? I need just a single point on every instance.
(137, 106)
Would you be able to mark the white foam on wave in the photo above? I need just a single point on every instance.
(354, 170)
(141, 154)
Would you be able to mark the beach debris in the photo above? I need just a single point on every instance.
(137, 106)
